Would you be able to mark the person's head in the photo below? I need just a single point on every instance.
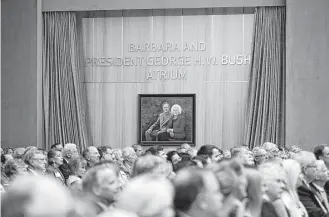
(293, 173)
(185, 156)
(160, 152)
(149, 164)
(18, 153)
(166, 107)
(155, 196)
(184, 164)
(78, 166)
(192, 152)
(173, 157)
(117, 156)
(214, 153)
(105, 153)
(237, 182)
(273, 180)
(202, 160)
(260, 156)
(227, 154)
(295, 149)
(321, 152)
(9, 150)
(33, 196)
(271, 149)
(138, 149)
(70, 151)
(55, 158)
(102, 182)
(152, 150)
(185, 147)
(307, 163)
(15, 167)
(243, 155)
(197, 192)
(129, 155)
(35, 159)
(322, 175)
(176, 110)
(91, 154)
(57, 147)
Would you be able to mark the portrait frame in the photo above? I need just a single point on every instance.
(150, 106)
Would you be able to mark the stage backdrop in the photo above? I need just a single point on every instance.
(199, 51)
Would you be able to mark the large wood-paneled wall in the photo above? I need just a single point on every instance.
(112, 92)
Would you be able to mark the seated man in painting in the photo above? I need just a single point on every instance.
(177, 124)
(162, 122)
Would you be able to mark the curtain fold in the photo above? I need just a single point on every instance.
(63, 107)
(265, 114)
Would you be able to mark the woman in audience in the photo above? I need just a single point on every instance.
(78, 169)
(13, 168)
(55, 159)
(290, 197)
(150, 164)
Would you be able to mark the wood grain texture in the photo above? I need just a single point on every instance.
(112, 92)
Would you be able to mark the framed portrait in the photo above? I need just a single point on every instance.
(167, 119)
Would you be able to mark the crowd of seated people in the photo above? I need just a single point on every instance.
(266, 181)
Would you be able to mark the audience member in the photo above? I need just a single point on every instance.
(78, 168)
(57, 147)
(197, 193)
(102, 185)
(155, 196)
(55, 159)
(214, 153)
(138, 149)
(36, 161)
(69, 152)
(91, 155)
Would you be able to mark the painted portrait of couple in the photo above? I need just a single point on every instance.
(166, 118)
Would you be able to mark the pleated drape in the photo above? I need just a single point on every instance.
(265, 115)
(63, 107)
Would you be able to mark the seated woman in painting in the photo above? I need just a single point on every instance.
(177, 125)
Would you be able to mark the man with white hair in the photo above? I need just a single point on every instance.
(36, 161)
(306, 193)
(318, 184)
(69, 152)
(91, 155)
(32, 196)
(129, 157)
(101, 184)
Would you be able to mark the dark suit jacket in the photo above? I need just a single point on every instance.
(65, 169)
(326, 188)
(268, 210)
(178, 125)
(309, 199)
